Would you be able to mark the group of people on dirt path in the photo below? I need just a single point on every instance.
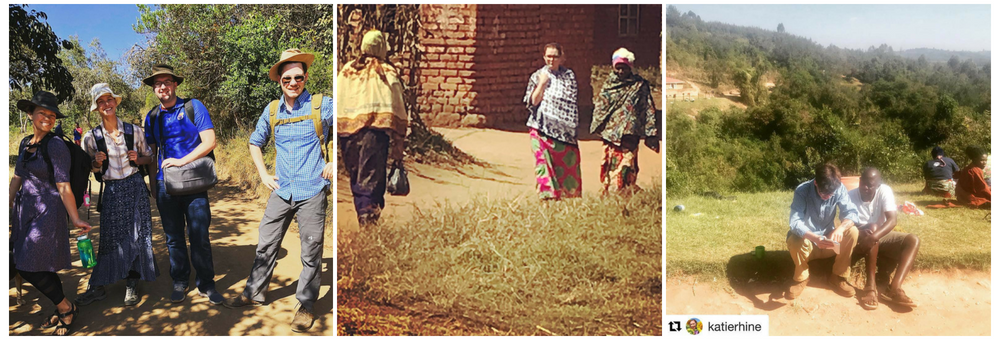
(624, 115)
(868, 218)
(372, 122)
(176, 133)
(969, 186)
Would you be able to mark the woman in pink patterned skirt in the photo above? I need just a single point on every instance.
(551, 99)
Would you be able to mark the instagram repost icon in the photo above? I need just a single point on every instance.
(694, 326)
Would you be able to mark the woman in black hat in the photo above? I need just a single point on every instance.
(40, 199)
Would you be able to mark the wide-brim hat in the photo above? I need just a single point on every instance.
(159, 69)
(290, 55)
(99, 90)
(44, 99)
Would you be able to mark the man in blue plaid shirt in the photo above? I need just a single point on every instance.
(298, 185)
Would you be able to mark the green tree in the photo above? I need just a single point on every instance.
(34, 62)
(781, 28)
(92, 67)
(224, 53)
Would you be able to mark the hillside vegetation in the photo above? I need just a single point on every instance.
(902, 108)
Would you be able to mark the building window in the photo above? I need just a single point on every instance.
(628, 20)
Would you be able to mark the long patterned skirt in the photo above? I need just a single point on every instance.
(619, 167)
(557, 167)
(125, 242)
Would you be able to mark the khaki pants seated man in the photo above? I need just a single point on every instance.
(812, 234)
(803, 251)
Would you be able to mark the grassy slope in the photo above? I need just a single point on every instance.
(705, 245)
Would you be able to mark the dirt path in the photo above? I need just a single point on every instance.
(234, 238)
(510, 173)
(950, 303)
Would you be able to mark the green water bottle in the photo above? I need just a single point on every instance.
(86, 249)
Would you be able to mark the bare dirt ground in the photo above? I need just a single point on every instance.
(235, 219)
(509, 173)
(955, 302)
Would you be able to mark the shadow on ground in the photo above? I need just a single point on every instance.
(156, 315)
(772, 275)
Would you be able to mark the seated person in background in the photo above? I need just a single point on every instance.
(986, 170)
(972, 189)
(876, 206)
(938, 174)
(812, 234)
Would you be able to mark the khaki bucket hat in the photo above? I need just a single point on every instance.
(99, 90)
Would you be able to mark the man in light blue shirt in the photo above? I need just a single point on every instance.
(302, 175)
(812, 233)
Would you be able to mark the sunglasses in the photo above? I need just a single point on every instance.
(287, 79)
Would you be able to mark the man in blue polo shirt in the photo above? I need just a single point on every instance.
(812, 234)
(176, 140)
(298, 186)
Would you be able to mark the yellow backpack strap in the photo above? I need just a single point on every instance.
(273, 112)
(317, 118)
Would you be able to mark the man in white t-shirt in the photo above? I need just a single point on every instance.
(876, 206)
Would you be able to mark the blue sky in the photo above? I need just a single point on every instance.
(949, 27)
(111, 24)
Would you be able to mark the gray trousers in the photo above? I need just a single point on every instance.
(311, 214)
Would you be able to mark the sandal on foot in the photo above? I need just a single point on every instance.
(898, 297)
(48, 321)
(63, 325)
(869, 301)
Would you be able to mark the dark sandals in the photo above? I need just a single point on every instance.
(897, 297)
(60, 324)
(869, 300)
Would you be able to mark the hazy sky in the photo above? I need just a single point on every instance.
(949, 27)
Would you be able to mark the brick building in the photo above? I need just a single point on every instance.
(478, 57)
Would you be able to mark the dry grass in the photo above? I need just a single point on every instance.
(587, 266)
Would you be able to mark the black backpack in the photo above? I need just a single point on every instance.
(102, 146)
(79, 165)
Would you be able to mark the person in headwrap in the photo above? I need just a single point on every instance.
(370, 112)
(552, 123)
(624, 114)
(938, 175)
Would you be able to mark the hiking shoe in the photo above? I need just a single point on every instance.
(93, 294)
(795, 290)
(132, 292)
(302, 321)
(241, 301)
(213, 296)
(179, 293)
(840, 286)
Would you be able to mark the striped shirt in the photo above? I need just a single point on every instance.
(299, 160)
(118, 165)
